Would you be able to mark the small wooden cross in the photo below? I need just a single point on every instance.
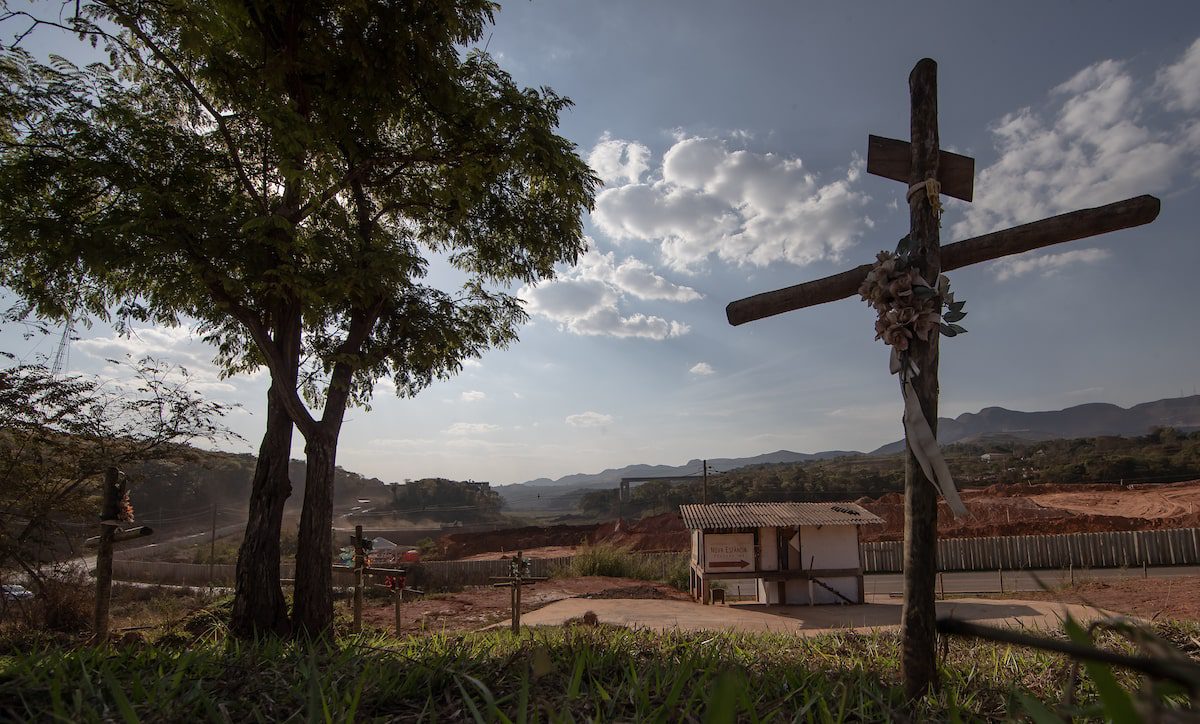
(913, 163)
(518, 576)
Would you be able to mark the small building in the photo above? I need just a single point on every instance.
(798, 553)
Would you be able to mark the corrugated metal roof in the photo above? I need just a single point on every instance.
(724, 516)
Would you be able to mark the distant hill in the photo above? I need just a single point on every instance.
(991, 424)
(1089, 420)
(612, 476)
(565, 492)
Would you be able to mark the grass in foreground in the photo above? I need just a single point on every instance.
(548, 675)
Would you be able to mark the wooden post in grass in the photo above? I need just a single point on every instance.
(359, 564)
(399, 594)
(516, 603)
(518, 576)
(928, 172)
(112, 492)
(212, 548)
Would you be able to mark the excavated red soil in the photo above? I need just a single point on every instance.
(1046, 509)
(657, 533)
(995, 510)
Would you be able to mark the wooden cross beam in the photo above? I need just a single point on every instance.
(926, 168)
(1055, 230)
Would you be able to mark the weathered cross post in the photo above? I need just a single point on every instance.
(516, 602)
(399, 596)
(359, 563)
(915, 163)
(518, 576)
(112, 492)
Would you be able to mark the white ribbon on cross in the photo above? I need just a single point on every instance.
(921, 439)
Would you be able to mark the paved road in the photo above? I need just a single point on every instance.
(989, 581)
(87, 562)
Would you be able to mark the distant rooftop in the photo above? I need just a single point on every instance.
(726, 516)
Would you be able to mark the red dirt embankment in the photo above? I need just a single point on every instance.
(657, 533)
(995, 510)
(1049, 509)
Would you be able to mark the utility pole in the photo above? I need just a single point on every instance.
(705, 498)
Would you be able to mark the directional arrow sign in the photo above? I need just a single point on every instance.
(728, 551)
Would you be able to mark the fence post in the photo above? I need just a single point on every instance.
(113, 491)
(359, 562)
(399, 597)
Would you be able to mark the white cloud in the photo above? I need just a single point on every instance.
(405, 443)
(473, 396)
(702, 369)
(470, 428)
(614, 160)
(587, 299)
(589, 419)
(745, 207)
(1099, 139)
(1046, 264)
(173, 345)
(1180, 83)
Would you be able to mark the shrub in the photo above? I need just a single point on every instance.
(605, 560)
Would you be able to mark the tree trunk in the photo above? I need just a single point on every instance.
(312, 610)
(258, 605)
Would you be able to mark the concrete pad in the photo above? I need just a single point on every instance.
(879, 613)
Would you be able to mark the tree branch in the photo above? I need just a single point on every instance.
(129, 22)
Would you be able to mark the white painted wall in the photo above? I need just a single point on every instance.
(767, 593)
(797, 591)
(829, 546)
(769, 549)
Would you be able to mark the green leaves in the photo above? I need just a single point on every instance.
(954, 309)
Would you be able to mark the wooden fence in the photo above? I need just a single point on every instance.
(1113, 549)
(198, 574)
(431, 575)
(1180, 546)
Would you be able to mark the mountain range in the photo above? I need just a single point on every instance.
(1087, 420)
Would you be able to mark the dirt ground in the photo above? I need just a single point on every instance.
(477, 607)
(1154, 598)
(473, 609)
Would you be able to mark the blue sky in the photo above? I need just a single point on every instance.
(732, 138)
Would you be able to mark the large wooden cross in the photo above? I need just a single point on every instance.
(913, 163)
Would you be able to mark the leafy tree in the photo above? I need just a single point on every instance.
(59, 434)
(286, 172)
